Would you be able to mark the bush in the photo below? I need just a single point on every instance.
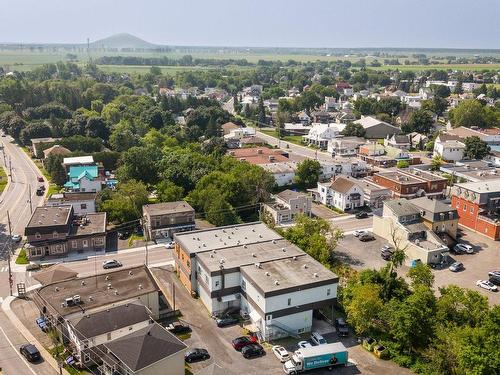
(22, 258)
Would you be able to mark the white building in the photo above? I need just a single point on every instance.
(283, 173)
(250, 267)
(449, 150)
(320, 134)
(342, 193)
(83, 203)
(345, 146)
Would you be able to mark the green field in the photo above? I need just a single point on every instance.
(3, 179)
(474, 67)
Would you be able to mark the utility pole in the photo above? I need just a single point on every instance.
(10, 168)
(29, 200)
(144, 229)
(11, 281)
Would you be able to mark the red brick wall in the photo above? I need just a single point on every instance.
(470, 219)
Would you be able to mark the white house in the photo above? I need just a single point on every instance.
(283, 173)
(345, 146)
(449, 150)
(320, 134)
(342, 193)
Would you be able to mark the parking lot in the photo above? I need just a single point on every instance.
(366, 255)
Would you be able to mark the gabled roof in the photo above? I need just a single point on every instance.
(81, 171)
(368, 122)
(401, 207)
(145, 347)
(342, 185)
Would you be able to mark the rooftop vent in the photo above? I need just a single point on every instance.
(254, 255)
(245, 246)
(276, 282)
(257, 265)
(140, 286)
(106, 278)
(91, 298)
(283, 249)
(315, 274)
(294, 258)
(274, 241)
(83, 282)
(268, 274)
(116, 292)
(211, 255)
(56, 289)
(109, 286)
(304, 266)
(130, 273)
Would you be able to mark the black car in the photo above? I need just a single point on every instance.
(226, 321)
(366, 237)
(495, 279)
(252, 350)
(341, 325)
(361, 215)
(39, 192)
(179, 328)
(196, 354)
(30, 352)
(386, 254)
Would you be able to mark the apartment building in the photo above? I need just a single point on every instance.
(251, 267)
(411, 183)
(287, 204)
(478, 206)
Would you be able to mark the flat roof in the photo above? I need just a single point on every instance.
(238, 256)
(78, 160)
(290, 194)
(72, 197)
(402, 207)
(167, 208)
(283, 167)
(399, 177)
(129, 283)
(89, 224)
(489, 186)
(227, 236)
(291, 272)
(50, 216)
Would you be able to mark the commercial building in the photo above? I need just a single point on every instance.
(411, 183)
(401, 225)
(478, 206)
(373, 195)
(287, 204)
(253, 268)
(165, 219)
(345, 146)
(58, 231)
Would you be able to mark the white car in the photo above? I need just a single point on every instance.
(281, 353)
(16, 238)
(304, 344)
(485, 284)
(359, 232)
(463, 248)
(317, 339)
(170, 245)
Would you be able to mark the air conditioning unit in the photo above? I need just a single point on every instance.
(76, 299)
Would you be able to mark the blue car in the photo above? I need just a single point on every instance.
(42, 324)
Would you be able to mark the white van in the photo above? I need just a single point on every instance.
(317, 339)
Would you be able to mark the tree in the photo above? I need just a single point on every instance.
(141, 164)
(459, 87)
(220, 212)
(353, 130)
(122, 137)
(469, 113)
(153, 117)
(476, 148)
(363, 307)
(421, 274)
(53, 165)
(441, 90)
(125, 203)
(402, 164)
(436, 162)
(307, 173)
(420, 121)
(35, 130)
(169, 192)
(437, 105)
(96, 127)
(262, 112)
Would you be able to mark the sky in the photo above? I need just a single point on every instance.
(258, 23)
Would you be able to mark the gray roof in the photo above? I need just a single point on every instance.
(87, 326)
(342, 184)
(50, 216)
(167, 208)
(145, 347)
(402, 207)
(288, 194)
(222, 237)
(432, 205)
(91, 224)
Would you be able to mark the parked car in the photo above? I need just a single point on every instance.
(387, 247)
(252, 350)
(178, 328)
(195, 355)
(170, 245)
(494, 274)
(226, 321)
(281, 353)
(341, 326)
(455, 267)
(463, 248)
(42, 324)
(359, 232)
(366, 237)
(16, 238)
(40, 179)
(240, 342)
(30, 352)
(386, 255)
(113, 263)
(485, 284)
(304, 344)
(317, 339)
(362, 215)
(39, 192)
(495, 280)
(122, 235)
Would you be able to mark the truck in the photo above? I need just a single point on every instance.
(321, 356)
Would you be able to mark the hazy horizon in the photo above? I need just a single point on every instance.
(453, 24)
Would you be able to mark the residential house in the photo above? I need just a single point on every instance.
(376, 129)
(164, 219)
(251, 267)
(342, 193)
(494, 157)
(345, 146)
(228, 127)
(345, 116)
(478, 206)
(412, 183)
(83, 203)
(296, 129)
(490, 136)
(58, 231)
(304, 118)
(287, 204)
(55, 150)
(148, 351)
(37, 145)
(322, 117)
(259, 155)
(373, 195)
(83, 179)
(401, 225)
(438, 217)
(283, 172)
(78, 161)
(417, 140)
(449, 150)
(399, 141)
(320, 134)
(331, 104)
(372, 149)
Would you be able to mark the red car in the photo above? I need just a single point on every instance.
(40, 179)
(240, 342)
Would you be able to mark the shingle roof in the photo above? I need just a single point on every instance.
(342, 185)
(145, 347)
(402, 207)
(431, 205)
(87, 326)
(288, 194)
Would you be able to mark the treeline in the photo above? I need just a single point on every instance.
(186, 60)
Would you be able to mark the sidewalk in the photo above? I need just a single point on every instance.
(27, 334)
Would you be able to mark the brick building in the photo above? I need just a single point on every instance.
(478, 206)
(412, 183)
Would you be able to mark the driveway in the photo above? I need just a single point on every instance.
(360, 255)
(323, 212)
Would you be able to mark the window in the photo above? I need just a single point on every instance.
(36, 252)
(217, 283)
(188, 263)
(74, 244)
(58, 249)
(328, 291)
(206, 279)
(472, 210)
(465, 207)
(55, 234)
(243, 285)
(86, 357)
(289, 303)
(85, 243)
(99, 241)
(269, 317)
(38, 235)
(83, 206)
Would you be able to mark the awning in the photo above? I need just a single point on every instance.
(229, 298)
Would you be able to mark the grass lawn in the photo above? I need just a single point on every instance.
(133, 238)
(22, 258)
(297, 139)
(3, 179)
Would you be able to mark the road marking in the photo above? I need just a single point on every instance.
(18, 353)
(1, 300)
(4, 269)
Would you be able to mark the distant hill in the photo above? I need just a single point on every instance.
(123, 41)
